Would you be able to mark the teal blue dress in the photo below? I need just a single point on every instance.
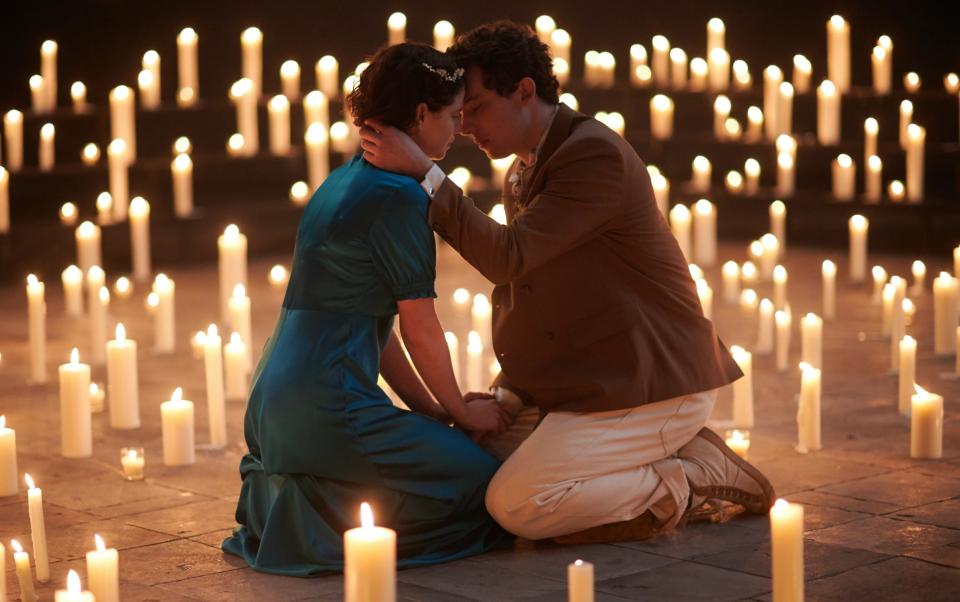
(322, 436)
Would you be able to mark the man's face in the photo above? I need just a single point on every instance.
(492, 121)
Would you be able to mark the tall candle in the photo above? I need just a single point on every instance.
(702, 170)
(661, 117)
(443, 34)
(327, 72)
(769, 254)
(808, 412)
(785, 108)
(98, 300)
(705, 293)
(481, 313)
(244, 94)
(140, 237)
(24, 576)
(718, 62)
(123, 120)
(48, 70)
(76, 435)
(828, 113)
(279, 110)
(475, 380)
(104, 204)
(743, 388)
(232, 252)
(9, 480)
(238, 308)
(844, 177)
(453, 347)
(778, 224)
(87, 237)
(680, 226)
(149, 93)
(38, 529)
(705, 233)
(926, 425)
(870, 131)
(235, 368)
(397, 29)
(906, 118)
(118, 163)
(318, 154)
(802, 71)
(660, 62)
(661, 190)
(290, 80)
(580, 581)
(919, 271)
(946, 303)
(907, 373)
(829, 303)
(213, 369)
(122, 381)
(13, 136)
(176, 417)
(786, 175)
(698, 74)
(38, 95)
(765, 328)
(47, 145)
(678, 68)
(251, 42)
(811, 339)
(897, 329)
(638, 58)
(37, 328)
(716, 34)
(164, 318)
(783, 320)
(881, 62)
(560, 42)
(751, 171)
(742, 80)
(873, 179)
(181, 170)
(858, 226)
(721, 110)
(187, 72)
(838, 52)
(4, 200)
(916, 138)
(731, 281)
(772, 78)
(786, 543)
(879, 279)
(103, 572)
(370, 559)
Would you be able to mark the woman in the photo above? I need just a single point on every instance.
(322, 436)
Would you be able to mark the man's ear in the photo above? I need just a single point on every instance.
(527, 90)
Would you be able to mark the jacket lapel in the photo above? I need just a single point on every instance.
(559, 131)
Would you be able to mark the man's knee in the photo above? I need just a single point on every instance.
(509, 503)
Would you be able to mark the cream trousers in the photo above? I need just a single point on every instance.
(580, 470)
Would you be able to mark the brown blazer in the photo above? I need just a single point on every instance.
(594, 308)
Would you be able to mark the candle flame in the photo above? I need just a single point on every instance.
(366, 516)
(920, 390)
(177, 394)
(805, 367)
(737, 436)
(32, 279)
(578, 562)
(3, 421)
(104, 294)
(16, 546)
(73, 582)
(99, 542)
(132, 454)
(239, 291)
(781, 504)
(212, 330)
(461, 296)
(121, 332)
(474, 342)
(235, 339)
(29, 480)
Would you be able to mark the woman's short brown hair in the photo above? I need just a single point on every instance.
(398, 79)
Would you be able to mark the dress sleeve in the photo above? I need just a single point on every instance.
(402, 246)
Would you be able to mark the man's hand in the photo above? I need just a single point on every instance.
(390, 149)
(485, 416)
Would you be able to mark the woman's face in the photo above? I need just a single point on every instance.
(434, 131)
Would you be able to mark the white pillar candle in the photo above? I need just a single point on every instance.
(956, 261)
(838, 52)
(871, 129)
(148, 82)
(951, 83)
(881, 61)
(748, 274)
(238, 308)
(397, 29)
(946, 303)
(873, 179)
(829, 302)
(68, 211)
(879, 280)
(48, 70)
(660, 62)
(911, 82)
(896, 191)
(638, 58)
(290, 80)
(828, 113)
(705, 233)
(13, 135)
(76, 435)
(189, 82)
(251, 42)
(37, 328)
(751, 171)
(481, 313)
(4, 200)
(560, 42)
(731, 281)
(678, 68)
(811, 340)
(702, 170)
(721, 110)
(103, 572)
(123, 381)
(475, 380)
(123, 120)
(743, 389)
(164, 317)
(279, 110)
(47, 153)
(661, 117)
(808, 411)
(235, 368)
(38, 529)
(858, 230)
(919, 271)
(177, 417)
(897, 329)
(38, 95)
(778, 224)
(9, 477)
(680, 226)
(316, 109)
(765, 328)
(90, 154)
(24, 575)
(661, 190)
(118, 163)
(783, 320)
(213, 369)
(140, 238)
(580, 581)
(785, 108)
(705, 293)
(888, 296)
(786, 547)
(698, 75)
(72, 279)
(916, 138)
(926, 425)
(907, 373)
(716, 34)
(328, 76)
(443, 34)
(181, 170)
(718, 62)
(844, 172)
(370, 559)
(606, 70)
(780, 278)
(742, 80)
(318, 154)
(768, 259)
(786, 175)
(87, 237)
(772, 78)
(802, 71)
(232, 253)
(453, 347)
(906, 118)
(244, 95)
(278, 278)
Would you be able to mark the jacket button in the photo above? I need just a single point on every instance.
(525, 288)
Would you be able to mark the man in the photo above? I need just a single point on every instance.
(596, 319)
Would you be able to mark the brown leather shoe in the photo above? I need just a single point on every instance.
(639, 528)
(714, 471)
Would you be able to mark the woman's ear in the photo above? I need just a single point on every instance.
(421, 112)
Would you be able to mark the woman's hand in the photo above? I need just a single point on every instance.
(484, 416)
(390, 149)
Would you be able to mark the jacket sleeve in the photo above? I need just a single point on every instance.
(582, 195)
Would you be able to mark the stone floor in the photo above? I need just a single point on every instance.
(878, 524)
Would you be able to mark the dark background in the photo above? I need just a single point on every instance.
(102, 41)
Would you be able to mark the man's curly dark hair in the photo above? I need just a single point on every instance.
(507, 52)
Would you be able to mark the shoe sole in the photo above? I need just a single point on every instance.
(745, 466)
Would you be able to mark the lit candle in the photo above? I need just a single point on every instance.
(475, 380)
(873, 183)
(802, 70)
(907, 373)
(235, 368)
(461, 177)
(829, 274)
(897, 329)
(370, 559)
(4, 200)
(828, 113)
(716, 34)
(244, 94)
(498, 214)
(461, 303)
(290, 80)
(778, 224)
(279, 109)
(13, 137)
(580, 581)
(808, 412)
(844, 177)
(700, 181)
(768, 259)
(721, 110)
(743, 388)
(916, 137)
(453, 348)
(606, 69)
(187, 67)
(879, 279)
(660, 62)
(251, 42)
(638, 58)
(748, 273)
(779, 287)
(919, 271)
(238, 308)
(911, 82)
(397, 29)
(871, 129)
(811, 340)
(37, 328)
(786, 547)
(705, 233)
(680, 226)
(661, 190)
(9, 483)
(278, 278)
(149, 90)
(560, 42)
(38, 529)
(678, 68)
(87, 237)
(38, 96)
(123, 120)
(48, 70)
(896, 191)
(90, 154)
(731, 282)
(131, 460)
(499, 169)
(118, 163)
(24, 576)
(951, 83)
(718, 62)
(887, 296)
(906, 118)
(765, 328)
(232, 251)
(72, 278)
(946, 303)
(164, 330)
(340, 139)
(47, 144)
(76, 435)
(785, 108)
(698, 74)
(772, 78)
(926, 425)
(122, 381)
(858, 227)
(213, 368)
(881, 61)
(299, 193)
(481, 313)
(318, 154)
(838, 52)
(176, 417)
(181, 170)
(103, 572)
(705, 293)
(786, 175)
(783, 320)
(661, 117)
(443, 34)
(327, 72)
(140, 237)
(739, 442)
(741, 75)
